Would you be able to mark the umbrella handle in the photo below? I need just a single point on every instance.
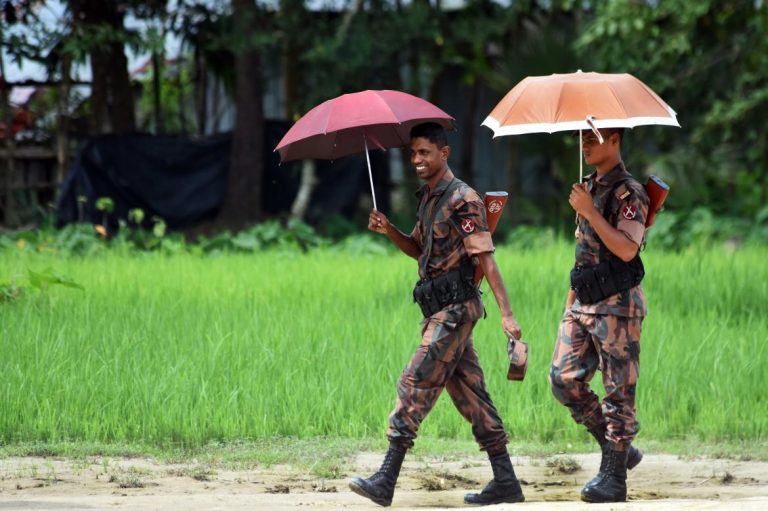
(581, 168)
(590, 120)
(581, 158)
(370, 175)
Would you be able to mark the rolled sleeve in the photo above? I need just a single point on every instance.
(478, 243)
(632, 215)
(632, 230)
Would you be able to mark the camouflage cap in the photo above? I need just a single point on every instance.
(518, 359)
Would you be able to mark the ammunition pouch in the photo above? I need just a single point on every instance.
(596, 283)
(455, 286)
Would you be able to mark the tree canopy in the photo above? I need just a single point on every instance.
(707, 59)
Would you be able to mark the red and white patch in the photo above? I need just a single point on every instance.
(494, 206)
(629, 212)
(467, 225)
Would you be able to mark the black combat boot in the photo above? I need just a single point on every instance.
(503, 488)
(634, 455)
(610, 485)
(381, 486)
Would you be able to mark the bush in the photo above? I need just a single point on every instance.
(673, 230)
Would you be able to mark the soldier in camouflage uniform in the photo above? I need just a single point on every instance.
(451, 230)
(604, 312)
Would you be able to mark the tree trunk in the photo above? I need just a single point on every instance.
(294, 16)
(201, 91)
(157, 72)
(308, 182)
(123, 114)
(98, 121)
(6, 192)
(182, 97)
(112, 106)
(242, 202)
(62, 127)
(469, 132)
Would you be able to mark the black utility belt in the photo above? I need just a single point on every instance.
(596, 283)
(456, 286)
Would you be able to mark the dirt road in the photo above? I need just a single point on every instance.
(660, 482)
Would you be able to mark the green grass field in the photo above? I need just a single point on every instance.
(186, 350)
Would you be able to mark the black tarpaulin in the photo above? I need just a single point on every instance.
(183, 180)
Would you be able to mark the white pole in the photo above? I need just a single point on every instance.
(581, 158)
(581, 166)
(370, 175)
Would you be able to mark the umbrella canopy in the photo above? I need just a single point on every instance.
(347, 124)
(564, 102)
(578, 101)
(350, 123)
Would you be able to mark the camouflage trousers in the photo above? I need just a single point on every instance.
(446, 359)
(612, 343)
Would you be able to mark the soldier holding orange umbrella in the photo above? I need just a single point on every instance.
(604, 312)
(605, 307)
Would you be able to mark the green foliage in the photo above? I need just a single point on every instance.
(673, 230)
(86, 38)
(338, 226)
(295, 235)
(526, 237)
(10, 290)
(46, 278)
(709, 61)
(74, 239)
(364, 244)
(136, 215)
(341, 56)
(36, 281)
(176, 89)
(23, 37)
(105, 204)
(700, 227)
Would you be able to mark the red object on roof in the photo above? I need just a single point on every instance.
(22, 120)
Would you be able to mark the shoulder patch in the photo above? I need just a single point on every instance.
(629, 212)
(623, 192)
(458, 204)
(636, 188)
(463, 195)
(471, 196)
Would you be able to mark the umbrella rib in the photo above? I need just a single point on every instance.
(618, 102)
(514, 102)
(388, 107)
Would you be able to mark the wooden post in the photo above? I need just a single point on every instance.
(6, 115)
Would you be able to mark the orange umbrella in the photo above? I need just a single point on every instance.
(578, 101)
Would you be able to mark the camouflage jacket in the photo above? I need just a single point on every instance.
(629, 210)
(459, 231)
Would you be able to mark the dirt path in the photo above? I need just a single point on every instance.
(659, 482)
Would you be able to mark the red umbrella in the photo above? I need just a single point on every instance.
(347, 124)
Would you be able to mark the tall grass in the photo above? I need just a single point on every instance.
(187, 349)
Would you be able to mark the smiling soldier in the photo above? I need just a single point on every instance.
(451, 230)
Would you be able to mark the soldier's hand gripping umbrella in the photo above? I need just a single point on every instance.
(353, 123)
